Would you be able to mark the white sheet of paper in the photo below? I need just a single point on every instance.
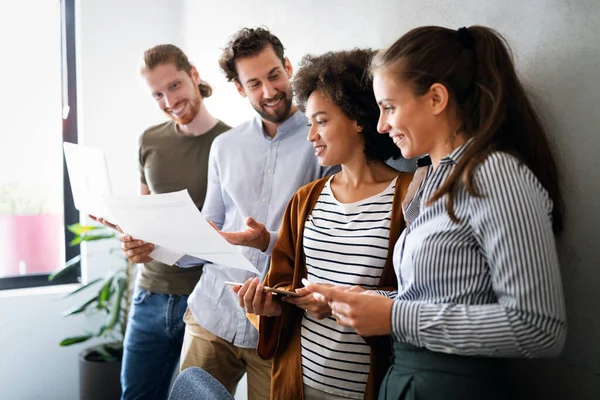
(173, 222)
(90, 182)
(165, 256)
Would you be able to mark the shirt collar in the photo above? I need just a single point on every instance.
(451, 158)
(291, 124)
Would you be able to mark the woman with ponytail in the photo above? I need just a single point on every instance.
(477, 268)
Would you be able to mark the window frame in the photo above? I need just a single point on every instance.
(69, 132)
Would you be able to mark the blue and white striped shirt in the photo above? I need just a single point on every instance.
(489, 285)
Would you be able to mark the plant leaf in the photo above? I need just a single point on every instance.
(75, 339)
(116, 310)
(103, 296)
(81, 308)
(106, 356)
(100, 236)
(79, 229)
(87, 285)
(69, 265)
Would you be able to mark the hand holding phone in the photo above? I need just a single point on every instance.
(268, 289)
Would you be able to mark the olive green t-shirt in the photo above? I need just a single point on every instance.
(169, 162)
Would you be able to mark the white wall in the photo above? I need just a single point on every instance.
(557, 48)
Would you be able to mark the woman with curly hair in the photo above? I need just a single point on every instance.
(337, 230)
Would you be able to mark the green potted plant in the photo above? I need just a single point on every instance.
(110, 296)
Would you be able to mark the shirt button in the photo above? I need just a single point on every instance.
(269, 172)
(253, 258)
(448, 350)
(273, 144)
(264, 200)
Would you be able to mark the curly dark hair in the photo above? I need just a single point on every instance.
(342, 77)
(248, 42)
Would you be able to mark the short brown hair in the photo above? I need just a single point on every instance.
(248, 42)
(343, 78)
(171, 54)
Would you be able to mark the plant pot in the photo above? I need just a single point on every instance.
(98, 380)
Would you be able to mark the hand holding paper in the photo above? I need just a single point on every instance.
(169, 223)
(172, 221)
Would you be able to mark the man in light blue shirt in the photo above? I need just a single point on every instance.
(254, 170)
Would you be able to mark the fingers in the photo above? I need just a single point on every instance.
(109, 224)
(214, 226)
(249, 296)
(139, 254)
(326, 291)
(355, 289)
(125, 238)
(137, 251)
(236, 288)
(302, 301)
(268, 301)
(258, 298)
(243, 290)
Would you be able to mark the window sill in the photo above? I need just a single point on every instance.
(40, 291)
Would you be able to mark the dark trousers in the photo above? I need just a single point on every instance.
(421, 374)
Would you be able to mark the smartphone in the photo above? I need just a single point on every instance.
(268, 289)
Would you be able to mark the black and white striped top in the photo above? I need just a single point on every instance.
(344, 244)
(489, 285)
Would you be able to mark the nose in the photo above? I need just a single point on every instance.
(313, 135)
(170, 100)
(269, 90)
(382, 126)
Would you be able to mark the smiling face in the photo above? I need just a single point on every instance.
(405, 117)
(176, 92)
(265, 80)
(335, 137)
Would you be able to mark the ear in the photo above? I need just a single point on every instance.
(438, 98)
(288, 67)
(195, 75)
(357, 128)
(239, 88)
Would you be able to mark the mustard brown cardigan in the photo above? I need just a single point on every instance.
(279, 337)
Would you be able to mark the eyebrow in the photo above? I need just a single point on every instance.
(380, 102)
(317, 114)
(270, 72)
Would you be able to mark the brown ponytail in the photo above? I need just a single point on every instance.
(476, 67)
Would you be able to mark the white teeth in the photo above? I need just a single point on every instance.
(178, 109)
(319, 149)
(274, 103)
(397, 139)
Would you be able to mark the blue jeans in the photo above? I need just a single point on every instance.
(196, 384)
(152, 345)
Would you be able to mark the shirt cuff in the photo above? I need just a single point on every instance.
(188, 261)
(386, 293)
(272, 240)
(405, 322)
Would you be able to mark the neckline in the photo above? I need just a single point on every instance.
(358, 202)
